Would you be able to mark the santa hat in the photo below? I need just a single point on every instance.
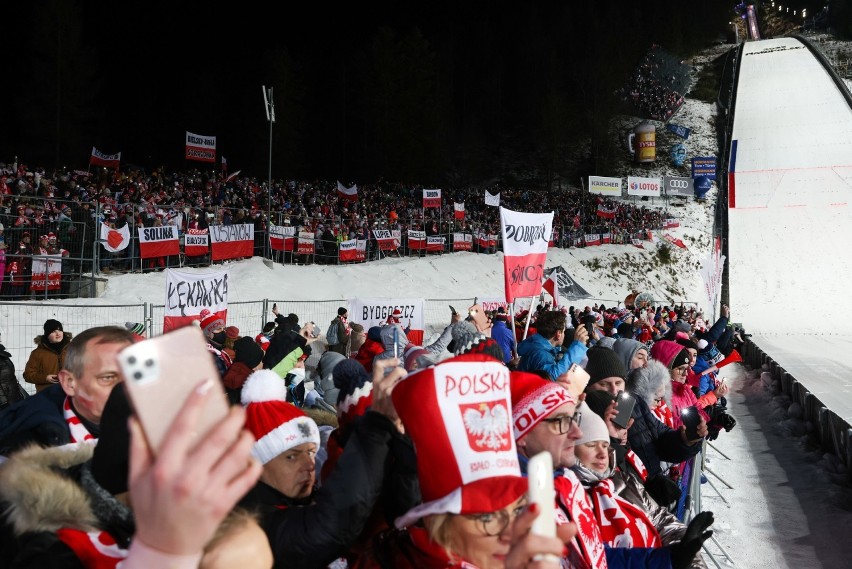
(533, 399)
(209, 321)
(458, 415)
(277, 425)
(395, 316)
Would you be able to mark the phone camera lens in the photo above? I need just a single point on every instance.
(131, 360)
(149, 362)
(137, 375)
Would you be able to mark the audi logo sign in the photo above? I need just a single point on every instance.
(679, 184)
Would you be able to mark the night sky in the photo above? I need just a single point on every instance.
(429, 91)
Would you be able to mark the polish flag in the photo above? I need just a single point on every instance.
(458, 210)
(525, 238)
(114, 240)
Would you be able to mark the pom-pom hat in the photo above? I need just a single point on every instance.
(210, 321)
(458, 414)
(277, 425)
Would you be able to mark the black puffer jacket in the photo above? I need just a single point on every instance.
(653, 441)
(10, 389)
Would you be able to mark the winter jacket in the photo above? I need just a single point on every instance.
(326, 366)
(343, 337)
(281, 344)
(367, 352)
(390, 352)
(504, 337)
(655, 442)
(55, 508)
(234, 379)
(683, 397)
(10, 390)
(45, 360)
(538, 354)
(314, 532)
(38, 419)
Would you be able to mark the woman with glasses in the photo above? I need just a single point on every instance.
(676, 359)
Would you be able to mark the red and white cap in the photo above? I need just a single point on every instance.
(209, 320)
(277, 425)
(533, 399)
(458, 414)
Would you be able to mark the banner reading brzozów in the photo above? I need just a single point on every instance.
(525, 239)
(187, 294)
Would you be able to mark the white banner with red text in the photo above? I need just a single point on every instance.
(525, 239)
(187, 294)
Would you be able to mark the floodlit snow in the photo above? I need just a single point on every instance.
(789, 269)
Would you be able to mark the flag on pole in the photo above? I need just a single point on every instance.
(525, 238)
(98, 158)
(551, 285)
(350, 194)
(458, 210)
(492, 200)
(232, 176)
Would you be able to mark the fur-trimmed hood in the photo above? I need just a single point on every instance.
(644, 382)
(66, 337)
(47, 489)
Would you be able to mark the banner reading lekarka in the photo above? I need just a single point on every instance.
(187, 294)
(375, 311)
(525, 239)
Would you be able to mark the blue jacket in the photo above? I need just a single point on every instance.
(38, 419)
(537, 353)
(503, 336)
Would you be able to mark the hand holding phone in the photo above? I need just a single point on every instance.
(691, 419)
(624, 404)
(540, 476)
(574, 380)
(452, 310)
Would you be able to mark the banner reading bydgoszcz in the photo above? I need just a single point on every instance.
(385, 240)
(200, 147)
(187, 294)
(431, 198)
(525, 238)
(605, 186)
(305, 243)
(98, 158)
(643, 186)
(416, 240)
(196, 242)
(353, 250)
(231, 241)
(462, 241)
(282, 237)
(375, 311)
(47, 272)
(158, 241)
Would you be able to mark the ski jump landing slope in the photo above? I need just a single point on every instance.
(790, 220)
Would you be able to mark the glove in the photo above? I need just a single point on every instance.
(663, 490)
(696, 534)
(728, 422)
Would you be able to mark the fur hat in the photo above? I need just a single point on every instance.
(594, 427)
(248, 352)
(468, 340)
(644, 382)
(277, 425)
(604, 363)
(51, 326)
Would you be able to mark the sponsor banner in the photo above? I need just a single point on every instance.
(416, 240)
(606, 212)
(196, 242)
(375, 311)
(431, 198)
(674, 241)
(643, 186)
(158, 241)
(200, 147)
(282, 237)
(458, 210)
(605, 186)
(231, 241)
(353, 250)
(462, 241)
(305, 245)
(678, 130)
(47, 272)
(385, 240)
(492, 199)
(98, 158)
(670, 223)
(678, 186)
(187, 294)
(435, 244)
(525, 239)
(606, 238)
(350, 194)
(114, 240)
(592, 239)
(704, 166)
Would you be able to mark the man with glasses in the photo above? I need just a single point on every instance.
(69, 412)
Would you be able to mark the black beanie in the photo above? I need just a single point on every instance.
(682, 358)
(604, 363)
(598, 401)
(51, 325)
(111, 458)
(341, 311)
(248, 352)
(348, 376)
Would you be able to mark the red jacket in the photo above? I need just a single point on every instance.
(367, 352)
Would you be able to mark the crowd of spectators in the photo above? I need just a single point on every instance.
(657, 85)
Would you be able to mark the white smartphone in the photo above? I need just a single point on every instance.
(161, 372)
(540, 477)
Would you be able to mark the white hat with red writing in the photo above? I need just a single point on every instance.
(534, 399)
(458, 413)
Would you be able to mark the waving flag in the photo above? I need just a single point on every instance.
(458, 210)
(114, 240)
(492, 200)
(98, 158)
(525, 239)
(350, 194)
(606, 212)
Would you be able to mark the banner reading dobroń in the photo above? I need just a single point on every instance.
(525, 239)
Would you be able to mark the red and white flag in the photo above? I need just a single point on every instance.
(435, 243)
(98, 158)
(462, 241)
(114, 240)
(305, 244)
(637, 243)
(674, 241)
(232, 176)
(47, 272)
(224, 166)
(416, 240)
(282, 237)
(606, 212)
(385, 240)
(525, 238)
(188, 294)
(231, 241)
(592, 239)
(158, 241)
(353, 250)
(431, 198)
(350, 194)
(200, 147)
(551, 285)
(458, 210)
(196, 242)
(671, 223)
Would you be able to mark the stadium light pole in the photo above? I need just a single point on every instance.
(269, 106)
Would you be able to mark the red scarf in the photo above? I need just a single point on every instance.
(621, 523)
(95, 549)
(636, 463)
(664, 414)
(587, 549)
(79, 433)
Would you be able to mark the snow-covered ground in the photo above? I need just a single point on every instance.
(786, 508)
